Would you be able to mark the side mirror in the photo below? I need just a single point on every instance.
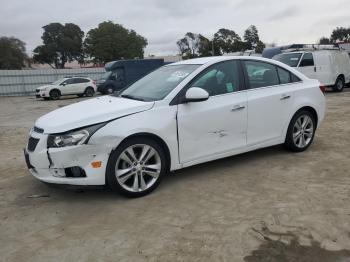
(63, 84)
(196, 94)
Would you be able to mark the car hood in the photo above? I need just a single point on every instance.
(89, 112)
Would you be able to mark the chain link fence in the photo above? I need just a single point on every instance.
(24, 82)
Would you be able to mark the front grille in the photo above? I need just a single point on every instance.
(38, 130)
(32, 143)
(37, 90)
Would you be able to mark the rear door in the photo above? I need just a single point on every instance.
(270, 98)
(80, 84)
(219, 124)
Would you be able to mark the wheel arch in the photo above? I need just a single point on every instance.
(155, 138)
(55, 89)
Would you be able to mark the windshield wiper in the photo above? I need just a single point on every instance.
(132, 97)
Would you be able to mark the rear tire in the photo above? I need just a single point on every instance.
(339, 84)
(55, 94)
(89, 92)
(141, 164)
(301, 131)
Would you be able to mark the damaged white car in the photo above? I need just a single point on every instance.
(180, 115)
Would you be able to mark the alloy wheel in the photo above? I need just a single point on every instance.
(138, 167)
(303, 131)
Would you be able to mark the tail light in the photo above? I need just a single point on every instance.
(323, 89)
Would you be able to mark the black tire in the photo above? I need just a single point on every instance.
(290, 143)
(339, 84)
(89, 92)
(46, 98)
(111, 179)
(55, 94)
(109, 90)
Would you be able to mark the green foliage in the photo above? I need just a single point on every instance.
(260, 46)
(251, 37)
(12, 53)
(194, 45)
(111, 41)
(227, 41)
(324, 41)
(61, 44)
(340, 34)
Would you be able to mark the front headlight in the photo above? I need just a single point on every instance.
(72, 138)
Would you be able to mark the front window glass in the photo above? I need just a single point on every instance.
(308, 60)
(106, 75)
(291, 59)
(158, 84)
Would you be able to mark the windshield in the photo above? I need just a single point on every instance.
(106, 75)
(289, 59)
(57, 82)
(158, 84)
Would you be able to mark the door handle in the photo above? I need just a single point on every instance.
(237, 107)
(284, 97)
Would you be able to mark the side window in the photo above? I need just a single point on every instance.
(284, 75)
(261, 74)
(294, 78)
(220, 78)
(308, 60)
(81, 80)
(69, 81)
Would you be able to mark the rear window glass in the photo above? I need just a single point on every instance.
(288, 59)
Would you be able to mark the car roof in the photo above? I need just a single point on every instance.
(213, 59)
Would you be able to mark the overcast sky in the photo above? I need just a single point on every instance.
(163, 22)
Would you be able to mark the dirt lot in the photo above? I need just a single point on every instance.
(269, 205)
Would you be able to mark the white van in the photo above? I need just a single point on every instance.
(330, 67)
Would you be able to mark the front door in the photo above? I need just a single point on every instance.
(307, 66)
(219, 124)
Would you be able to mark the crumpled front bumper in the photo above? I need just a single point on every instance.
(51, 165)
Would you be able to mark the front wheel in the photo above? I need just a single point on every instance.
(301, 131)
(55, 94)
(136, 167)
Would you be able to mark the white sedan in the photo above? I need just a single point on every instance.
(180, 115)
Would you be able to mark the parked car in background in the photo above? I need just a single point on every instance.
(120, 74)
(80, 86)
(179, 115)
(330, 67)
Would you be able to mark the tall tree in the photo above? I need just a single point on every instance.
(61, 44)
(324, 41)
(193, 45)
(111, 41)
(260, 46)
(12, 53)
(340, 34)
(227, 41)
(251, 37)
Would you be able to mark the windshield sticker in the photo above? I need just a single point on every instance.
(180, 74)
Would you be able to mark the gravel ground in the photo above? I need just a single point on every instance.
(267, 205)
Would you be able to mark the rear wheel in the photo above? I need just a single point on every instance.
(136, 167)
(89, 91)
(339, 84)
(301, 131)
(55, 94)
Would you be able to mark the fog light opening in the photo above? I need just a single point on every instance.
(75, 171)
